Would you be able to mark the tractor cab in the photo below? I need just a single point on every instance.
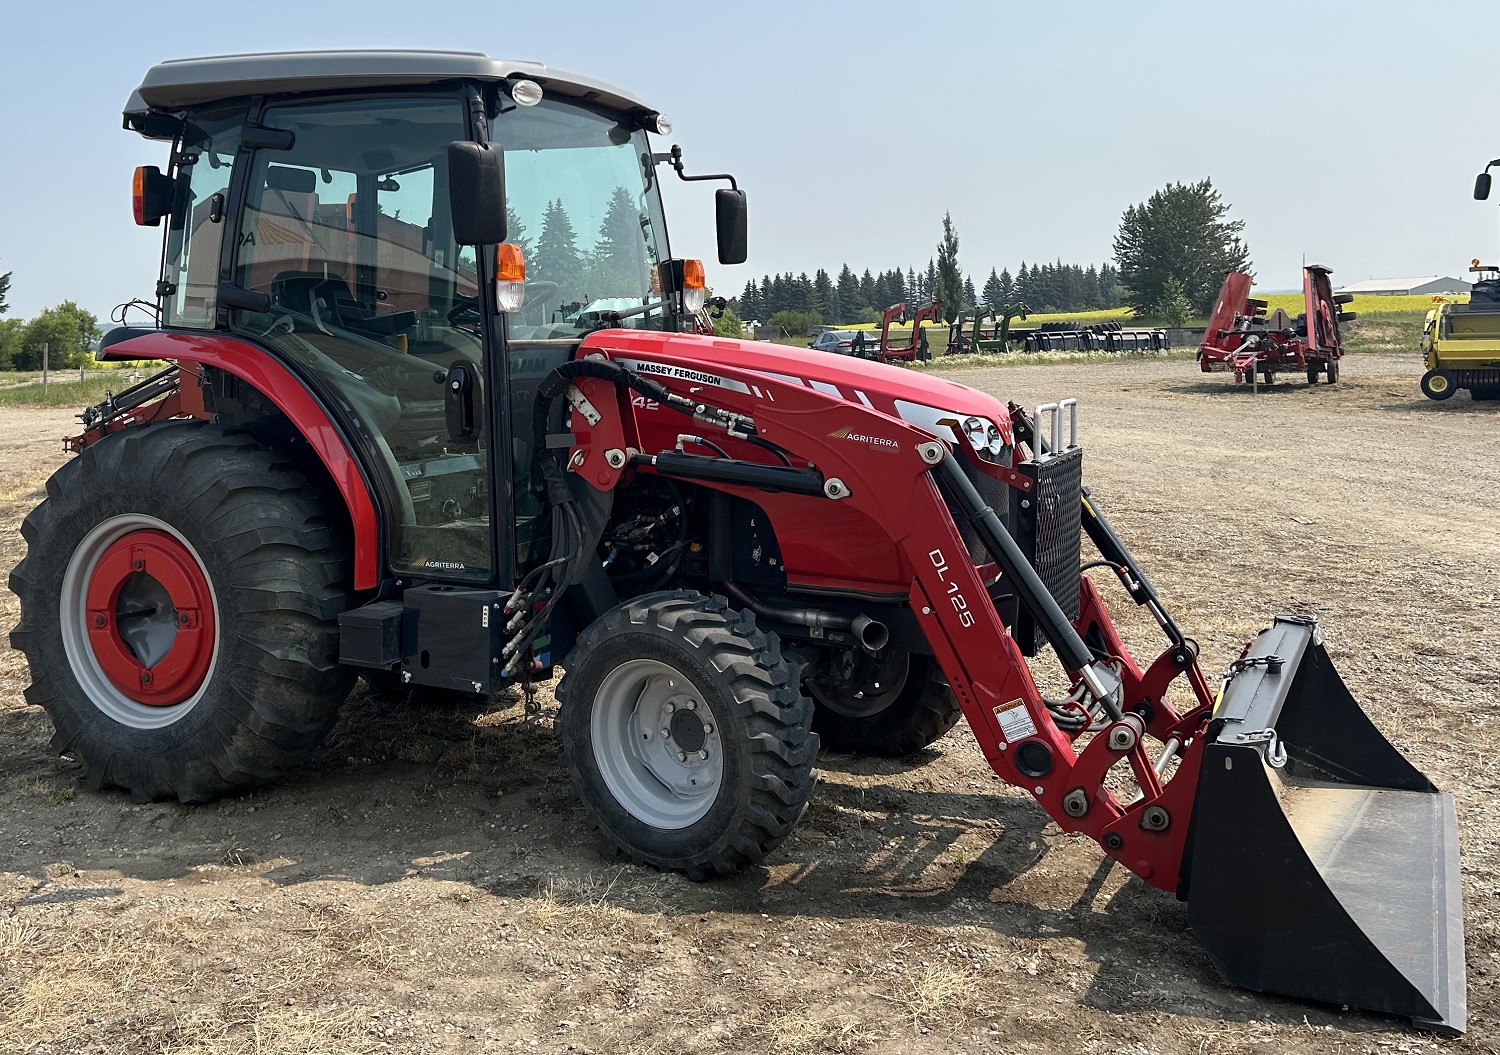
(351, 213)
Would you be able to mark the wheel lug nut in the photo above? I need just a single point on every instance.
(145, 677)
(703, 755)
(689, 705)
(666, 734)
(669, 708)
(708, 730)
(682, 756)
(98, 620)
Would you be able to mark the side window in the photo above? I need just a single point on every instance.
(195, 231)
(349, 235)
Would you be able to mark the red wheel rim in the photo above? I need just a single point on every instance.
(150, 618)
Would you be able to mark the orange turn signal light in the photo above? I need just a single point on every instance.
(150, 195)
(510, 265)
(693, 275)
(138, 195)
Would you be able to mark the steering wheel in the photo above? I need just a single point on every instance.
(465, 310)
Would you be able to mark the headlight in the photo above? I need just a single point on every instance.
(985, 437)
(977, 434)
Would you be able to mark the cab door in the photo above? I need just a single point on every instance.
(348, 231)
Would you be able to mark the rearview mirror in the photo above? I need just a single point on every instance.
(733, 222)
(476, 192)
(1482, 186)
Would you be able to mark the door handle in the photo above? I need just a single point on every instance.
(458, 401)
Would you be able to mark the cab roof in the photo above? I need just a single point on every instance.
(181, 83)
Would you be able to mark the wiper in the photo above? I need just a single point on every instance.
(611, 317)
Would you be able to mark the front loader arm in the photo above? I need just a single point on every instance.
(898, 476)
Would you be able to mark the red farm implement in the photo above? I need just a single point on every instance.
(914, 350)
(1243, 341)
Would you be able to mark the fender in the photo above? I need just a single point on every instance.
(292, 397)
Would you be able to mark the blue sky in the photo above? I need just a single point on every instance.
(1342, 132)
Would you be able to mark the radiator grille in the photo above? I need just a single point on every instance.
(996, 495)
(1048, 525)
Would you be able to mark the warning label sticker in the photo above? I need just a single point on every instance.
(1015, 721)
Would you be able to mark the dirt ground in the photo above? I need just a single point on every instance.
(430, 883)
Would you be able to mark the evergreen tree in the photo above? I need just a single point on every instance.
(897, 288)
(930, 283)
(850, 302)
(970, 297)
(867, 291)
(994, 294)
(749, 302)
(825, 298)
(515, 232)
(949, 284)
(1007, 287)
(1180, 232)
(913, 291)
(4, 291)
(557, 258)
(617, 265)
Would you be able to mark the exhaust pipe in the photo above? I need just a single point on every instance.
(871, 633)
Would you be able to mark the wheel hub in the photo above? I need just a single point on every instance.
(150, 618)
(657, 744)
(865, 686)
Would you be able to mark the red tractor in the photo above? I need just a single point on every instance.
(400, 439)
(1241, 340)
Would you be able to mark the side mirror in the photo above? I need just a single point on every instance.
(476, 192)
(733, 223)
(1482, 186)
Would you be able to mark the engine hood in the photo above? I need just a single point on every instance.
(919, 399)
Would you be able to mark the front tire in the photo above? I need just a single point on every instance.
(179, 604)
(890, 707)
(1439, 384)
(686, 733)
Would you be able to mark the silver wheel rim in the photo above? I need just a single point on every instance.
(657, 744)
(73, 620)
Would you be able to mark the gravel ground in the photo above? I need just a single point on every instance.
(429, 883)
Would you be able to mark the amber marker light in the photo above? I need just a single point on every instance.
(694, 286)
(510, 277)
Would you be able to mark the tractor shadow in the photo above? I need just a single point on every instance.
(475, 796)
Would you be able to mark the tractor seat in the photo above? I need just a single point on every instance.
(327, 299)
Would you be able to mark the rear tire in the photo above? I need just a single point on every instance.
(1439, 384)
(254, 573)
(686, 733)
(902, 719)
(1332, 372)
(1312, 375)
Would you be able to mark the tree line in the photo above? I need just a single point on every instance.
(852, 299)
(1171, 253)
(65, 331)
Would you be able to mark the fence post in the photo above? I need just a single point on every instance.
(44, 369)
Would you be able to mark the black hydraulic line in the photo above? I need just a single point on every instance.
(734, 471)
(1030, 589)
(1113, 549)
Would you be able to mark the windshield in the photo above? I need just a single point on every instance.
(584, 208)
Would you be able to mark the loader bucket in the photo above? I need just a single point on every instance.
(1321, 863)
